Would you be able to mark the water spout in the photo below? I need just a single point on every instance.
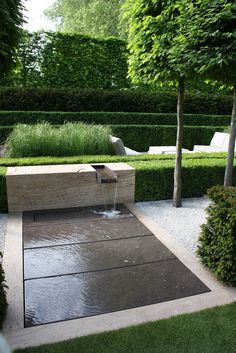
(104, 174)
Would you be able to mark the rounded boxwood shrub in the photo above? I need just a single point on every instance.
(3, 297)
(217, 248)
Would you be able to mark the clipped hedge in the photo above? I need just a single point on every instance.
(11, 162)
(52, 99)
(140, 137)
(112, 118)
(217, 248)
(154, 175)
(77, 61)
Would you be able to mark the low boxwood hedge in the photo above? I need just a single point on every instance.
(140, 137)
(154, 176)
(11, 162)
(111, 101)
(9, 118)
(217, 248)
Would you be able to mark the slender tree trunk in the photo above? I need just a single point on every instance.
(179, 144)
(230, 158)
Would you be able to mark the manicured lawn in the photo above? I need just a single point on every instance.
(209, 331)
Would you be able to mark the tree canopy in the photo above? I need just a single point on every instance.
(154, 30)
(209, 44)
(11, 15)
(208, 38)
(153, 38)
(92, 17)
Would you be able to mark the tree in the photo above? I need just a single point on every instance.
(210, 45)
(154, 31)
(11, 15)
(92, 17)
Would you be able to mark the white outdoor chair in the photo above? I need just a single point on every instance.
(165, 150)
(219, 143)
(120, 149)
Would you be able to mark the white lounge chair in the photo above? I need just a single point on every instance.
(165, 150)
(120, 149)
(219, 143)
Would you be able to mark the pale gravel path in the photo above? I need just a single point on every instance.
(183, 223)
(3, 226)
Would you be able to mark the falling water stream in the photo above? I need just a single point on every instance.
(112, 213)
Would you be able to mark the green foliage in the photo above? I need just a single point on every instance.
(217, 247)
(51, 59)
(153, 35)
(137, 137)
(10, 162)
(8, 118)
(3, 297)
(82, 61)
(67, 140)
(45, 99)
(91, 17)
(11, 15)
(208, 40)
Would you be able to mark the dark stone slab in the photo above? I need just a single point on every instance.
(69, 297)
(96, 256)
(70, 215)
(83, 231)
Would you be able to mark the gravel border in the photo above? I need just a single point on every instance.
(3, 227)
(183, 223)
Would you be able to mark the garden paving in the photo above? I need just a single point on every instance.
(78, 263)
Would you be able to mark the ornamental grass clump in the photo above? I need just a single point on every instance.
(66, 140)
(217, 248)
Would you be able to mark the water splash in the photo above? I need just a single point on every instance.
(109, 214)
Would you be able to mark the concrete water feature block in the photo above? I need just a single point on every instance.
(64, 186)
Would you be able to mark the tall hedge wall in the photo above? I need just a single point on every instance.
(42, 99)
(140, 137)
(8, 118)
(52, 59)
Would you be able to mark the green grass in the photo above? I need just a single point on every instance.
(208, 331)
(66, 140)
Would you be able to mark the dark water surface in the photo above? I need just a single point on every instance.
(77, 264)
